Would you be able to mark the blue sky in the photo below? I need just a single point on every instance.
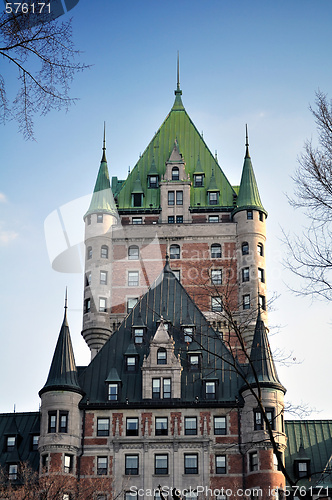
(242, 62)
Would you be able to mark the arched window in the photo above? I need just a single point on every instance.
(133, 252)
(260, 249)
(175, 174)
(216, 251)
(89, 253)
(161, 356)
(174, 252)
(104, 252)
(245, 248)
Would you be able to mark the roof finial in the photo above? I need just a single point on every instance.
(66, 300)
(104, 144)
(178, 73)
(247, 143)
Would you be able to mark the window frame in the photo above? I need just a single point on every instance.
(102, 471)
(188, 429)
(134, 431)
(175, 252)
(246, 301)
(261, 275)
(129, 301)
(162, 360)
(137, 221)
(220, 469)
(253, 461)
(198, 180)
(187, 468)
(160, 471)
(115, 395)
(100, 218)
(194, 367)
(188, 333)
(52, 428)
(171, 219)
(131, 367)
(12, 472)
(104, 252)
(250, 215)
(213, 219)
(63, 415)
(87, 305)
(210, 395)
(179, 219)
(132, 471)
(89, 253)
(245, 248)
(215, 251)
(103, 426)
(260, 249)
(179, 198)
(160, 428)
(102, 304)
(258, 420)
(137, 200)
(11, 439)
(103, 278)
(133, 278)
(153, 184)
(245, 274)
(216, 304)
(68, 463)
(175, 175)
(216, 277)
(171, 198)
(220, 430)
(131, 254)
(167, 394)
(213, 197)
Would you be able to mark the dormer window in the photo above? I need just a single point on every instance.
(138, 334)
(198, 180)
(302, 468)
(34, 442)
(188, 334)
(153, 181)
(194, 362)
(12, 472)
(11, 443)
(175, 174)
(161, 356)
(113, 391)
(210, 390)
(213, 198)
(131, 364)
(137, 199)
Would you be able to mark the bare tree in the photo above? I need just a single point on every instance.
(310, 254)
(45, 61)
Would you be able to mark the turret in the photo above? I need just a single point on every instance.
(60, 416)
(99, 221)
(250, 216)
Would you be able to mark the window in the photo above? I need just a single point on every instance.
(219, 426)
(213, 218)
(250, 214)
(215, 251)
(216, 304)
(137, 199)
(190, 464)
(171, 198)
(104, 252)
(156, 388)
(132, 426)
(131, 465)
(261, 275)
(245, 274)
(138, 335)
(175, 174)
(258, 421)
(99, 218)
(10, 443)
(190, 426)
(153, 181)
(171, 219)
(177, 274)
(34, 442)
(88, 279)
(161, 426)
(103, 426)
(179, 219)
(261, 216)
(133, 278)
(199, 180)
(220, 464)
(194, 362)
(246, 301)
(166, 388)
(161, 464)
(131, 302)
(137, 220)
(216, 277)
(113, 390)
(102, 305)
(213, 198)
(103, 277)
(52, 421)
(174, 252)
(253, 461)
(89, 253)
(302, 469)
(131, 495)
(262, 302)
(245, 248)
(87, 305)
(63, 421)
(131, 363)
(102, 466)
(188, 333)
(210, 390)
(269, 412)
(12, 472)
(179, 197)
(161, 356)
(133, 253)
(260, 249)
(68, 463)
(45, 461)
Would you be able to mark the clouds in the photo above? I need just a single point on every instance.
(3, 198)
(6, 235)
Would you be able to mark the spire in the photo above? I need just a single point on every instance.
(248, 197)
(213, 183)
(178, 105)
(63, 371)
(178, 74)
(167, 267)
(262, 366)
(102, 200)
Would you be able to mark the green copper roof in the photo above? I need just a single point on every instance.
(213, 185)
(63, 372)
(248, 197)
(177, 128)
(102, 199)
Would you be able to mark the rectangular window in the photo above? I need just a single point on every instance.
(45, 461)
(156, 388)
(68, 463)
(190, 426)
(87, 305)
(261, 216)
(250, 215)
(302, 469)
(102, 304)
(133, 253)
(213, 198)
(270, 416)
(220, 426)
(161, 426)
(246, 301)
(210, 390)
(261, 275)
(188, 333)
(132, 426)
(194, 362)
(131, 495)
(220, 464)
(166, 388)
(104, 252)
(113, 392)
(137, 220)
(63, 421)
(258, 421)
(131, 465)
(179, 197)
(103, 277)
(138, 335)
(190, 463)
(161, 464)
(52, 421)
(262, 302)
(12, 472)
(35, 441)
(10, 443)
(216, 276)
(131, 303)
(133, 278)
(137, 199)
(253, 461)
(88, 279)
(103, 427)
(171, 219)
(153, 181)
(245, 274)
(213, 218)
(102, 463)
(199, 180)
(131, 363)
(99, 218)
(216, 304)
(179, 219)
(171, 198)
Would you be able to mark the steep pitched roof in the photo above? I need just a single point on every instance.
(262, 369)
(63, 371)
(176, 127)
(168, 299)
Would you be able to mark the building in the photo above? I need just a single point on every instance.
(181, 391)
